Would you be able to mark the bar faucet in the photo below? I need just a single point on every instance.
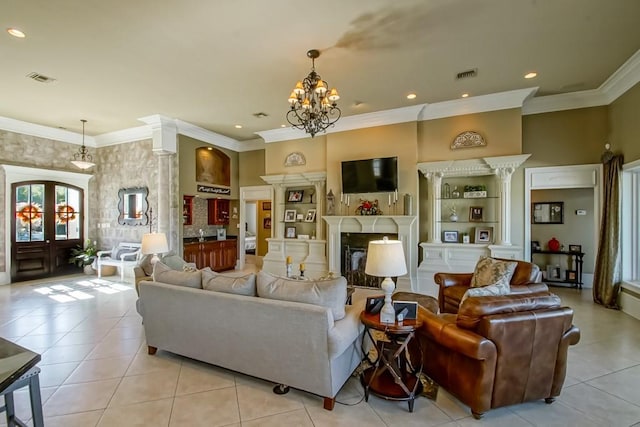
(201, 239)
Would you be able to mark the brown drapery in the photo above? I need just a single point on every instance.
(607, 275)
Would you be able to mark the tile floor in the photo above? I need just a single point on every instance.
(96, 372)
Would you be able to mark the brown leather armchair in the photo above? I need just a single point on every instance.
(527, 278)
(499, 351)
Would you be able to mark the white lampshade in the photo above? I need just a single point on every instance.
(385, 258)
(154, 243)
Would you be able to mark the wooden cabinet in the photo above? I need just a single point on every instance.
(219, 255)
(218, 212)
(187, 210)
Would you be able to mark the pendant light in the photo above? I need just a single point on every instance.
(82, 158)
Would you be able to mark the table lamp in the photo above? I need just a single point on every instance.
(385, 258)
(154, 243)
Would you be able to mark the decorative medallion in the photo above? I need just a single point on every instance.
(468, 139)
(295, 159)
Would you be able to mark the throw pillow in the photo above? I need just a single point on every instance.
(173, 261)
(145, 264)
(490, 271)
(229, 283)
(327, 293)
(500, 288)
(164, 274)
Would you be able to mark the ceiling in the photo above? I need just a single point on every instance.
(215, 64)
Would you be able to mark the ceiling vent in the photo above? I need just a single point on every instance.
(260, 115)
(467, 74)
(41, 78)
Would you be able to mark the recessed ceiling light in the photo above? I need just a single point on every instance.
(412, 96)
(238, 126)
(465, 95)
(530, 75)
(210, 148)
(16, 33)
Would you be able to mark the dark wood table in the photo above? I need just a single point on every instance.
(392, 376)
(16, 362)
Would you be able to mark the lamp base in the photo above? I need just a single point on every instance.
(387, 314)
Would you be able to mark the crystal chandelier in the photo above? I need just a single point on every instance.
(82, 158)
(313, 105)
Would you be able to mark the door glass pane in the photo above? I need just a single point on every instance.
(73, 225)
(29, 213)
(67, 213)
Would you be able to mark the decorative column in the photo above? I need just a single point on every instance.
(503, 176)
(320, 200)
(434, 211)
(278, 210)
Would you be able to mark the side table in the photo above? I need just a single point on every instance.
(392, 376)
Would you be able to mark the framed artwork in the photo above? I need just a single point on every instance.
(483, 235)
(266, 206)
(290, 233)
(290, 215)
(535, 246)
(575, 248)
(570, 276)
(548, 213)
(266, 223)
(311, 215)
(475, 213)
(450, 236)
(295, 196)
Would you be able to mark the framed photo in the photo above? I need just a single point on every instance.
(484, 235)
(295, 195)
(553, 272)
(535, 246)
(548, 213)
(570, 276)
(475, 213)
(266, 206)
(311, 215)
(290, 233)
(266, 223)
(575, 248)
(290, 215)
(450, 236)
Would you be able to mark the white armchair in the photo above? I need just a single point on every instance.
(125, 255)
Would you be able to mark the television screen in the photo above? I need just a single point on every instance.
(370, 175)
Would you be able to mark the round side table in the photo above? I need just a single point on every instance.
(392, 376)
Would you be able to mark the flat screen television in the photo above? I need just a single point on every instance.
(370, 175)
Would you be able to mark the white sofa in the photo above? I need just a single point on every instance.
(292, 343)
(125, 255)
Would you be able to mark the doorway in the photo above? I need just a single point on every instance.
(256, 199)
(46, 223)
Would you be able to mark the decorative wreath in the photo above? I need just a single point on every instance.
(65, 213)
(29, 213)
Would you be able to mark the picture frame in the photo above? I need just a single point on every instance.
(547, 213)
(483, 235)
(450, 236)
(266, 206)
(290, 215)
(290, 233)
(266, 223)
(553, 272)
(535, 246)
(575, 248)
(311, 216)
(295, 196)
(475, 213)
(570, 276)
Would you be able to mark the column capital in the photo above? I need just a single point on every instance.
(164, 132)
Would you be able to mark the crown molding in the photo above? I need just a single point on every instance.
(123, 136)
(204, 135)
(40, 131)
(623, 79)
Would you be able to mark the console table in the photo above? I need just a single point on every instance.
(392, 375)
(576, 263)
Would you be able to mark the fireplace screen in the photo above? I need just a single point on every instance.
(354, 250)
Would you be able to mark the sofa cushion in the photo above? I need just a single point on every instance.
(239, 284)
(327, 293)
(500, 288)
(491, 271)
(473, 309)
(165, 274)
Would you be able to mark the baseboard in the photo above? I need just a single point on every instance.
(630, 300)
(5, 278)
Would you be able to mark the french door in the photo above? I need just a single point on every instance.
(47, 222)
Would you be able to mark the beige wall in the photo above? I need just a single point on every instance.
(251, 166)
(625, 125)
(313, 149)
(502, 130)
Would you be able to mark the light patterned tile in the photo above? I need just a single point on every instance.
(207, 409)
(342, 416)
(425, 413)
(258, 400)
(72, 398)
(554, 415)
(66, 353)
(53, 375)
(297, 418)
(99, 369)
(603, 407)
(143, 388)
(197, 378)
(623, 384)
(82, 419)
(144, 363)
(155, 413)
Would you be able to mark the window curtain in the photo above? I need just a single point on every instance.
(607, 274)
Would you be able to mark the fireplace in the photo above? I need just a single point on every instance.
(403, 227)
(353, 247)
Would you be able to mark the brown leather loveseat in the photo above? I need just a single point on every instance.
(499, 350)
(527, 278)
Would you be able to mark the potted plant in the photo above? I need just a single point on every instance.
(84, 257)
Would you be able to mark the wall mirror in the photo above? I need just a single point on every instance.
(133, 206)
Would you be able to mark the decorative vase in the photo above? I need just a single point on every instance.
(554, 244)
(453, 218)
(88, 270)
(455, 193)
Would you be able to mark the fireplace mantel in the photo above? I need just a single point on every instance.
(404, 226)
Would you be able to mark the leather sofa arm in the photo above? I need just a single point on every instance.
(444, 280)
(444, 331)
(570, 337)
